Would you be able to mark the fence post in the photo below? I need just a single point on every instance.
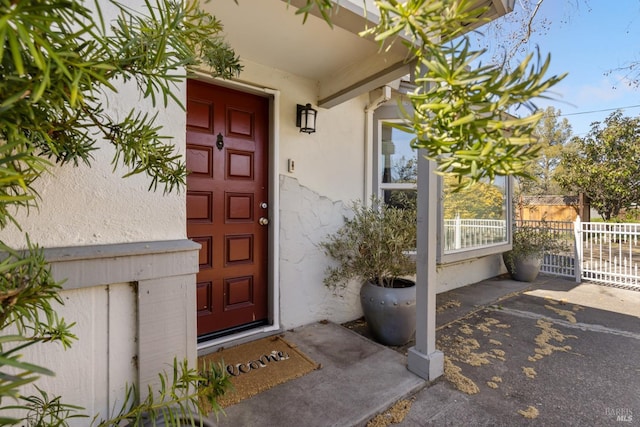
(458, 232)
(577, 233)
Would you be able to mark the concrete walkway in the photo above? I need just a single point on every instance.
(549, 353)
(358, 379)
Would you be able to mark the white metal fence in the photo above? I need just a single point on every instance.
(599, 252)
(610, 252)
(560, 261)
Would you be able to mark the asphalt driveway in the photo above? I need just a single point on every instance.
(558, 354)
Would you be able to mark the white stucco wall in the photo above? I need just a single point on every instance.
(94, 205)
(82, 205)
(330, 161)
(463, 273)
(307, 218)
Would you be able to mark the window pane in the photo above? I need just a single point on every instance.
(400, 198)
(398, 161)
(475, 217)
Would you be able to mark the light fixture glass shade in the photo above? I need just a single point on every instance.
(306, 118)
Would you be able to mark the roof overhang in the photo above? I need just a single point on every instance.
(344, 65)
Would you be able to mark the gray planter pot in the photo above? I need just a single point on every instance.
(390, 312)
(526, 269)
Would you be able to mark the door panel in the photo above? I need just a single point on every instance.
(227, 159)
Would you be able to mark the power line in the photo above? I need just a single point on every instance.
(599, 111)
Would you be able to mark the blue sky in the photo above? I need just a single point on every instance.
(586, 39)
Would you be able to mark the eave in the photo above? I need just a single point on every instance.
(344, 65)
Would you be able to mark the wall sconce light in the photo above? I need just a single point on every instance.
(306, 118)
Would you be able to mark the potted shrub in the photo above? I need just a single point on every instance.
(375, 247)
(529, 243)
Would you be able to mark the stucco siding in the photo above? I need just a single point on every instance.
(306, 219)
(330, 161)
(94, 205)
(463, 273)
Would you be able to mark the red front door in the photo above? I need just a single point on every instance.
(227, 159)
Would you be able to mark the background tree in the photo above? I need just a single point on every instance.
(553, 136)
(482, 200)
(606, 165)
(406, 170)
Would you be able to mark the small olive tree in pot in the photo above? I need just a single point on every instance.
(375, 247)
(530, 242)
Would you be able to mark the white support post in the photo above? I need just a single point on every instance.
(424, 359)
(577, 233)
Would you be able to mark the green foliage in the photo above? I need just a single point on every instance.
(27, 291)
(325, 7)
(181, 399)
(58, 61)
(629, 215)
(405, 170)
(605, 165)
(45, 410)
(553, 136)
(215, 381)
(478, 201)
(374, 245)
(531, 241)
(461, 111)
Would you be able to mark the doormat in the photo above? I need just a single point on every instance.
(259, 365)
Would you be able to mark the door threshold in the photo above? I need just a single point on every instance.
(232, 339)
(231, 331)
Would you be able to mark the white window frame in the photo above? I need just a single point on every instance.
(378, 185)
(478, 251)
(386, 114)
